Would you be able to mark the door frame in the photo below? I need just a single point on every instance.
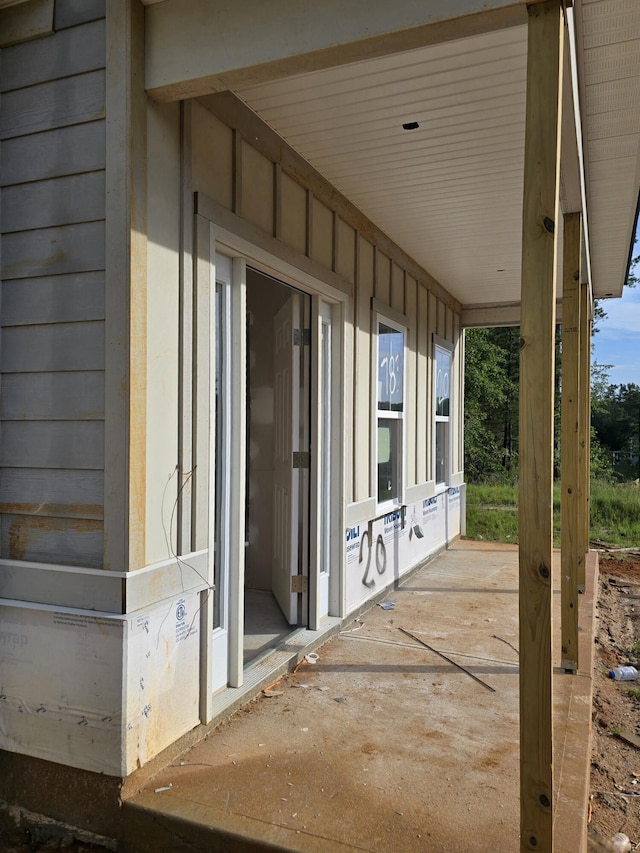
(323, 312)
(245, 253)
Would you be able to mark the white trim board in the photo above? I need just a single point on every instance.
(31, 584)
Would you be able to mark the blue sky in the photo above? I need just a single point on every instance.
(618, 341)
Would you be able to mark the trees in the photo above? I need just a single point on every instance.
(491, 412)
(491, 403)
(615, 416)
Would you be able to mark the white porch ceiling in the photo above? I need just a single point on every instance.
(609, 49)
(450, 192)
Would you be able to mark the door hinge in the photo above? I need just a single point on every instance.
(299, 583)
(301, 459)
(301, 337)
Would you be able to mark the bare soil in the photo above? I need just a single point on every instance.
(615, 763)
(22, 841)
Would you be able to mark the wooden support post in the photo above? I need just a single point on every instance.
(538, 297)
(585, 425)
(572, 554)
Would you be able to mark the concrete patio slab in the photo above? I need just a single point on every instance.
(382, 745)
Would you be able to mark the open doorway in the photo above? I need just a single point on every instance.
(277, 463)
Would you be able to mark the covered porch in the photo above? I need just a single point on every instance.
(497, 145)
(383, 745)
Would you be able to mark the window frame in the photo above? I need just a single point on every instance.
(385, 316)
(447, 348)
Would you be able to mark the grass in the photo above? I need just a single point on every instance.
(492, 513)
(615, 513)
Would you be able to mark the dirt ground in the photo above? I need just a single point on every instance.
(21, 841)
(615, 763)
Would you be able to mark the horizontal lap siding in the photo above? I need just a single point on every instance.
(52, 208)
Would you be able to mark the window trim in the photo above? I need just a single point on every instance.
(382, 314)
(448, 347)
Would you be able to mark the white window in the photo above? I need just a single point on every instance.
(390, 361)
(442, 407)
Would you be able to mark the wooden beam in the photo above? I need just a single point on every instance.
(192, 51)
(572, 559)
(538, 296)
(585, 425)
(494, 315)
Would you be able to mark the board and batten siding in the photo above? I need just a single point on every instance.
(52, 259)
(258, 187)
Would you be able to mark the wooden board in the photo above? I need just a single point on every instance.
(293, 213)
(203, 308)
(25, 21)
(58, 396)
(629, 737)
(53, 299)
(52, 444)
(346, 251)
(61, 492)
(257, 201)
(56, 104)
(457, 398)
(383, 277)
(62, 54)
(362, 370)
(69, 13)
(43, 539)
(422, 386)
(432, 312)
(322, 234)
(584, 430)
(212, 175)
(59, 201)
(53, 251)
(413, 394)
(63, 346)
(397, 288)
(572, 556)
(541, 165)
(441, 320)
(53, 153)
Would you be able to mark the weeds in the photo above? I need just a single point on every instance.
(492, 513)
(615, 513)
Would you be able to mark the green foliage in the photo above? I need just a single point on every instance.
(615, 513)
(492, 512)
(491, 404)
(615, 416)
(601, 460)
(632, 275)
(491, 413)
(493, 494)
